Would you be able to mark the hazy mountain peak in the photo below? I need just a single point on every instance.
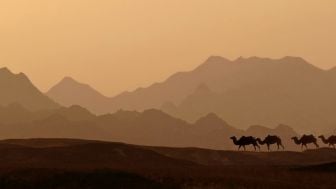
(285, 128)
(70, 85)
(213, 61)
(5, 70)
(17, 88)
(252, 59)
(293, 59)
(299, 63)
(256, 59)
(71, 92)
(70, 81)
(217, 59)
(211, 119)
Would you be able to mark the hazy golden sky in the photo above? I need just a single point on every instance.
(117, 45)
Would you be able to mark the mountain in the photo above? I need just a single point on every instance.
(150, 127)
(70, 92)
(17, 88)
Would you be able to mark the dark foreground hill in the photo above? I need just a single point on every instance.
(70, 163)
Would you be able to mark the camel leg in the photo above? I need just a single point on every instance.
(278, 145)
(255, 149)
(268, 147)
(239, 147)
(316, 144)
(244, 147)
(283, 148)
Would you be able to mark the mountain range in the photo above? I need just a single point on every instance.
(150, 127)
(244, 92)
(20, 117)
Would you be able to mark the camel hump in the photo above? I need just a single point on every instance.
(242, 138)
(250, 137)
(332, 137)
(272, 136)
(308, 136)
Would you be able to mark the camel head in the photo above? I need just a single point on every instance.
(233, 138)
(259, 141)
(324, 140)
(296, 140)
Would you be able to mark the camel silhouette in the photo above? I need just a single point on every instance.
(271, 139)
(304, 140)
(331, 140)
(245, 140)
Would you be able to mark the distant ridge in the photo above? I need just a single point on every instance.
(150, 127)
(17, 88)
(244, 91)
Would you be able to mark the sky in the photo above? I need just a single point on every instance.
(118, 45)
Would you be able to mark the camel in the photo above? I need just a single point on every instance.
(243, 141)
(271, 139)
(304, 140)
(331, 140)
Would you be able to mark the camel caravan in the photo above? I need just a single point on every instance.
(273, 139)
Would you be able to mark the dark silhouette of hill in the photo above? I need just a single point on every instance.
(17, 88)
(244, 92)
(73, 179)
(88, 155)
(325, 167)
(71, 163)
(122, 155)
(69, 92)
(151, 127)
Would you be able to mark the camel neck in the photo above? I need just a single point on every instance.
(324, 140)
(297, 141)
(235, 141)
